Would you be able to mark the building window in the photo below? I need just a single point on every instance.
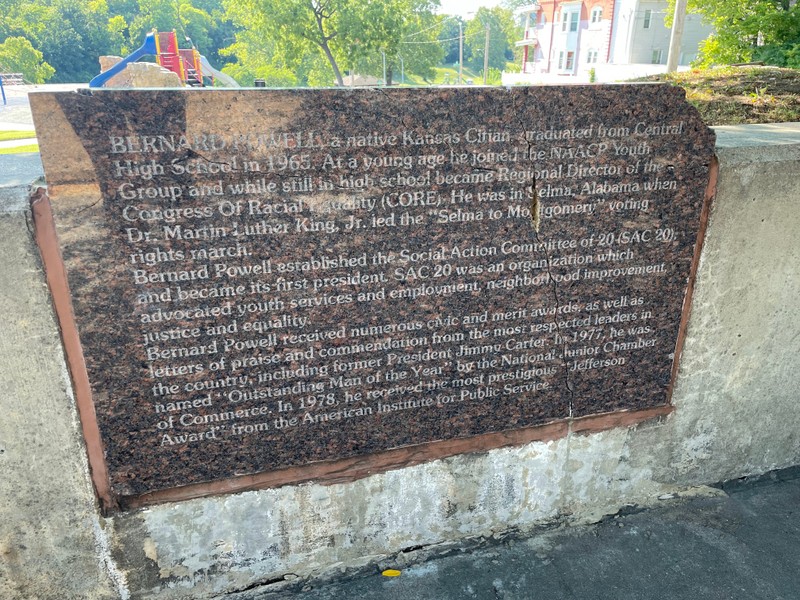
(657, 55)
(597, 14)
(591, 57)
(566, 61)
(569, 20)
(648, 18)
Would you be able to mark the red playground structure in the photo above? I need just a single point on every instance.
(187, 63)
(183, 62)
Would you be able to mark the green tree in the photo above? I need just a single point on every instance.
(449, 38)
(420, 47)
(197, 25)
(17, 55)
(72, 34)
(297, 25)
(201, 21)
(117, 29)
(405, 32)
(347, 34)
(500, 22)
(263, 59)
(513, 5)
(153, 14)
(747, 30)
(221, 34)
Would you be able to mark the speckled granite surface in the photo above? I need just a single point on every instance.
(264, 279)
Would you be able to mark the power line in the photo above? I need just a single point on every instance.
(432, 41)
(439, 24)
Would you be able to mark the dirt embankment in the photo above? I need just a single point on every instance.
(735, 95)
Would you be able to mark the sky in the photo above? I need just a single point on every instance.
(462, 7)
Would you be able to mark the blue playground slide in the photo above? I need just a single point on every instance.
(148, 48)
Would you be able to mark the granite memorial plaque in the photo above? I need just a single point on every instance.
(264, 280)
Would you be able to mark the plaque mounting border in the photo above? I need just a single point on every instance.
(325, 472)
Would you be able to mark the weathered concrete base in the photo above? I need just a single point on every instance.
(736, 413)
(740, 544)
(308, 530)
(737, 393)
(52, 542)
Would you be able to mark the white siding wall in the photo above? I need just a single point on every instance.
(624, 31)
(624, 17)
(645, 42)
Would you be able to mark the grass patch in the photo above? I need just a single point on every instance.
(20, 149)
(442, 76)
(16, 135)
(738, 95)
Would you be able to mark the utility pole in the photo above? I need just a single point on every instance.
(486, 57)
(460, 51)
(678, 22)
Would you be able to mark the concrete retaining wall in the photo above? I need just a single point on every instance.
(736, 413)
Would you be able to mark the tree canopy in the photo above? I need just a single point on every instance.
(342, 34)
(72, 34)
(750, 30)
(405, 32)
(18, 56)
(284, 42)
(449, 39)
(500, 23)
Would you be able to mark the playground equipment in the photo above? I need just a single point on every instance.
(187, 63)
(218, 75)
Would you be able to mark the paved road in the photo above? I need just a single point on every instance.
(15, 143)
(741, 544)
(16, 113)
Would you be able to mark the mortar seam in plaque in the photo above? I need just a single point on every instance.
(273, 286)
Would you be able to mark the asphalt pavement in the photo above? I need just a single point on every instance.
(738, 541)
